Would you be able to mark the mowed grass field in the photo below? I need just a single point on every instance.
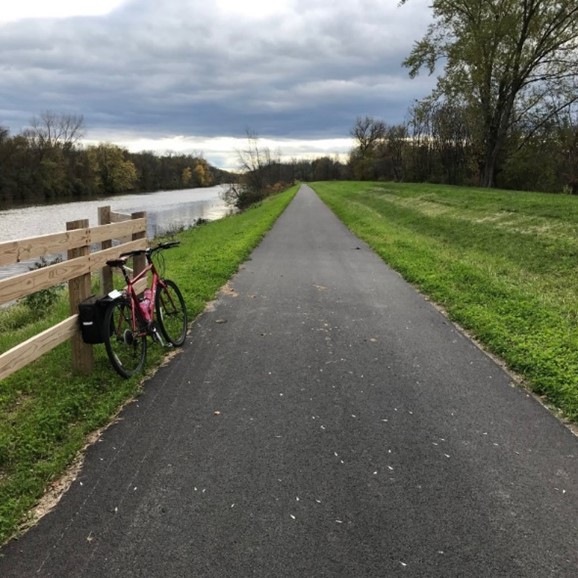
(503, 264)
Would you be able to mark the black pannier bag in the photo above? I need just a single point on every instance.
(91, 314)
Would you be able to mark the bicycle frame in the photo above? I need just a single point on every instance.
(147, 323)
(136, 310)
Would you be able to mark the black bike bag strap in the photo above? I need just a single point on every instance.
(116, 262)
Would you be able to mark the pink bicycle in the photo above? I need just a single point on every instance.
(160, 313)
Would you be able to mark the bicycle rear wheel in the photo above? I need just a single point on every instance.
(126, 348)
(171, 312)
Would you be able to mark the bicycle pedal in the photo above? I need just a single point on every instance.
(157, 337)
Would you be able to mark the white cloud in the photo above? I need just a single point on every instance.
(22, 9)
(299, 70)
(253, 8)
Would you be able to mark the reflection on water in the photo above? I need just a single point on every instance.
(166, 211)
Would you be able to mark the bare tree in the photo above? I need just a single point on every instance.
(451, 138)
(367, 131)
(52, 129)
(364, 159)
(259, 172)
(396, 139)
(420, 131)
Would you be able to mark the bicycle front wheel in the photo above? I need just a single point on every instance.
(125, 347)
(171, 312)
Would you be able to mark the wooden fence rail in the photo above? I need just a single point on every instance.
(76, 243)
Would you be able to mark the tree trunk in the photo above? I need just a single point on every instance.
(488, 174)
(494, 143)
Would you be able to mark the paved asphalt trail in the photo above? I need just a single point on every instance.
(323, 420)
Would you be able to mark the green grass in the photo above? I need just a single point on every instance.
(46, 412)
(503, 264)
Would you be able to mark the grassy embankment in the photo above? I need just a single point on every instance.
(46, 412)
(503, 264)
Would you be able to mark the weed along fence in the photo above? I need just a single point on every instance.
(129, 232)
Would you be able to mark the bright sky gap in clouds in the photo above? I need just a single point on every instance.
(193, 76)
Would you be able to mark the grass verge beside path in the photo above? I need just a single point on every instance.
(503, 264)
(46, 412)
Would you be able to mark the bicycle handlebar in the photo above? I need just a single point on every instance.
(148, 252)
(151, 250)
(166, 245)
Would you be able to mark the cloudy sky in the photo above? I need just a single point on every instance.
(194, 75)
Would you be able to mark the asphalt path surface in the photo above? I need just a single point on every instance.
(323, 419)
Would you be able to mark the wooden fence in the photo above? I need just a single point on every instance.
(76, 270)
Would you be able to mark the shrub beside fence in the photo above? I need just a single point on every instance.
(76, 270)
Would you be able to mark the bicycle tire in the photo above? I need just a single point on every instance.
(171, 312)
(126, 348)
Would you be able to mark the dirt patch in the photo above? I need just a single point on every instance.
(225, 291)
(228, 291)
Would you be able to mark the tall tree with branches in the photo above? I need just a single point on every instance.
(53, 129)
(506, 60)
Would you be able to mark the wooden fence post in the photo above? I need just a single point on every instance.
(79, 289)
(105, 272)
(139, 262)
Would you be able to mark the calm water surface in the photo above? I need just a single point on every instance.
(166, 211)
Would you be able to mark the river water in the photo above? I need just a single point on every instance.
(166, 211)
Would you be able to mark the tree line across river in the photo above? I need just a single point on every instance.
(45, 163)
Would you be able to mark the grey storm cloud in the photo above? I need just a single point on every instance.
(185, 67)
